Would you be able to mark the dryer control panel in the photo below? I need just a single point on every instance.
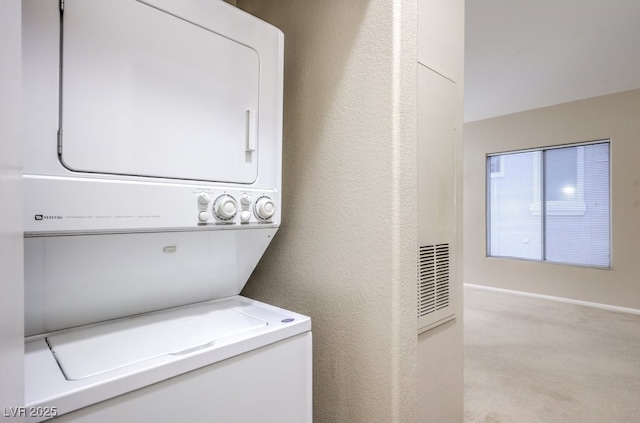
(233, 207)
(113, 206)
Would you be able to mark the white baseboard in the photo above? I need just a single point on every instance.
(560, 299)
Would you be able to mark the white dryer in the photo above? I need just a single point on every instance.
(152, 182)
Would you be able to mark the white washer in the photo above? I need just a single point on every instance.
(152, 181)
(229, 360)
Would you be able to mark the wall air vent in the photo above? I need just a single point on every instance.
(434, 287)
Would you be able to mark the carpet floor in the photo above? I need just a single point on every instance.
(533, 360)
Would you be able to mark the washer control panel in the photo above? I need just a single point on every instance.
(235, 207)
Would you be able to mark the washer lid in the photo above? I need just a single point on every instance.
(147, 93)
(100, 348)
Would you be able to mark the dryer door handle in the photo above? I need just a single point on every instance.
(252, 126)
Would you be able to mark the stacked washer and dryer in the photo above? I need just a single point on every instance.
(152, 183)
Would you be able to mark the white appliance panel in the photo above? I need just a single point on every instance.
(268, 385)
(272, 371)
(180, 102)
(82, 279)
(98, 349)
(94, 206)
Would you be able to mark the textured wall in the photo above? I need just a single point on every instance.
(11, 285)
(613, 116)
(346, 251)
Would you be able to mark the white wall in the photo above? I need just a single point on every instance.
(11, 267)
(612, 117)
(440, 98)
(346, 251)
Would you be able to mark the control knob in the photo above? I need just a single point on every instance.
(245, 216)
(264, 208)
(225, 207)
(245, 199)
(203, 198)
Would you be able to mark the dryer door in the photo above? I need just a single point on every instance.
(149, 94)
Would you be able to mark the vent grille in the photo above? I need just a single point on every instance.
(433, 279)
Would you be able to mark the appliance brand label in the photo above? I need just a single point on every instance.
(47, 217)
(73, 217)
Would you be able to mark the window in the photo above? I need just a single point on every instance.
(550, 205)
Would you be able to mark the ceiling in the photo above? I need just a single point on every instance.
(526, 54)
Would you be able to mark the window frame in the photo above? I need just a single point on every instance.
(576, 207)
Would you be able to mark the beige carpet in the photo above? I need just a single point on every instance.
(536, 360)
